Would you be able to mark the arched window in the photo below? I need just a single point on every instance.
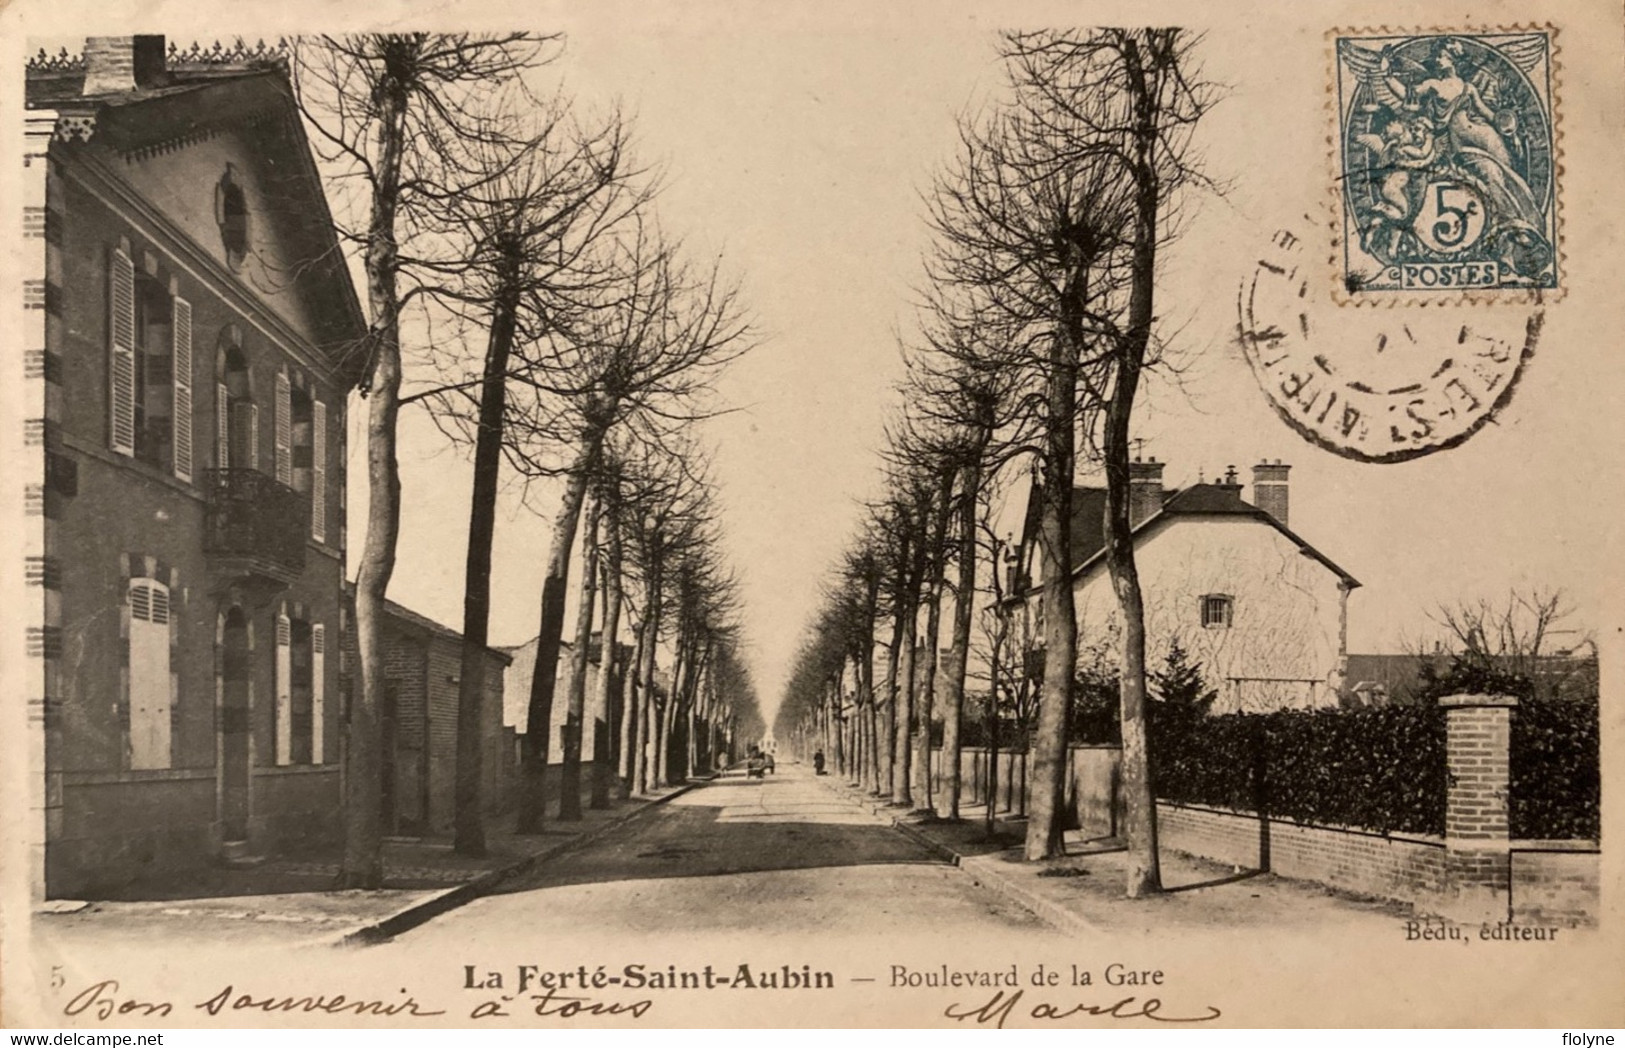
(231, 214)
(149, 674)
(150, 366)
(308, 426)
(154, 371)
(236, 415)
(301, 651)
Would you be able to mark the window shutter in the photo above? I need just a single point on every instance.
(318, 472)
(149, 675)
(253, 437)
(183, 388)
(318, 689)
(222, 427)
(284, 690)
(284, 430)
(121, 362)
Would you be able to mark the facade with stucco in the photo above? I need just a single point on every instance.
(1262, 611)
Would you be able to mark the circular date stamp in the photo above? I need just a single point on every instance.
(1374, 386)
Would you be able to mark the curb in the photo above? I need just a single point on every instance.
(982, 870)
(424, 910)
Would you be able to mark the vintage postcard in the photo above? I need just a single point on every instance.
(744, 514)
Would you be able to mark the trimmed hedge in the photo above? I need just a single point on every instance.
(1380, 769)
(1556, 767)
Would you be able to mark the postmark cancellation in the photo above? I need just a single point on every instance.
(1447, 166)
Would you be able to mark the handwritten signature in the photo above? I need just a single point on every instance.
(999, 1008)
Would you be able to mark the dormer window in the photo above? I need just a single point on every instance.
(231, 212)
(1217, 609)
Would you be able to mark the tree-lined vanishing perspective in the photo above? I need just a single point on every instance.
(487, 216)
(1039, 316)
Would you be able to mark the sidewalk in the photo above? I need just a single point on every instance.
(291, 898)
(1083, 892)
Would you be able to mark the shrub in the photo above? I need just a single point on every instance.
(1468, 675)
(1556, 787)
(1380, 769)
(1176, 690)
(973, 732)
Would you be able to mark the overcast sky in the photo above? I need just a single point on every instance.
(798, 152)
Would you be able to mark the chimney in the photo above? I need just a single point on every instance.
(116, 64)
(1144, 489)
(1270, 490)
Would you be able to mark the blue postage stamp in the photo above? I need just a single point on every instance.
(1448, 166)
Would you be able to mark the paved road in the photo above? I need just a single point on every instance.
(780, 856)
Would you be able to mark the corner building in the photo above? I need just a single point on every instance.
(191, 338)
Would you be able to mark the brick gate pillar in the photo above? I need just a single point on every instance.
(1478, 736)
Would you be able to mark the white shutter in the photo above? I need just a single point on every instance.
(318, 684)
(318, 472)
(183, 388)
(222, 427)
(149, 675)
(284, 690)
(284, 431)
(121, 357)
(253, 437)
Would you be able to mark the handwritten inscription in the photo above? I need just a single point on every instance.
(998, 1009)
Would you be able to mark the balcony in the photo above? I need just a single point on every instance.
(256, 528)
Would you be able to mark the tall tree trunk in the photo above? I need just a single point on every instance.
(889, 713)
(576, 702)
(538, 728)
(1047, 750)
(631, 715)
(992, 817)
(866, 679)
(362, 866)
(936, 559)
(668, 713)
(695, 713)
(609, 668)
(647, 734)
(901, 791)
(468, 819)
(953, 682)
(1139, 801)
(839, 729)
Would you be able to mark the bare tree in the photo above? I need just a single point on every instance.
(1522, 641)
(1028, 222)
(1151, 103)
(643, 359)
(1048, 226)
(533, 262)
(393, 115)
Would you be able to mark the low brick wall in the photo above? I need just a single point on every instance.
(1555, 882)
(1406, 869)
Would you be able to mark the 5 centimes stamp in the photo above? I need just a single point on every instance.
(1376, 387)
(1447, 166)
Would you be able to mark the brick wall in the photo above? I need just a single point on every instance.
(1401, 868)
(1473, 873)
(1555, 883)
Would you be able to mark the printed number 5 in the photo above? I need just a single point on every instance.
(1451, 228)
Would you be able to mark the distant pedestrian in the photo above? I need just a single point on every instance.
(818, 763)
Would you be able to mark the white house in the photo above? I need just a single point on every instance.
(1264, 612)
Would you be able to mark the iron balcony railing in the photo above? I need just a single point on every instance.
(254, 517)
